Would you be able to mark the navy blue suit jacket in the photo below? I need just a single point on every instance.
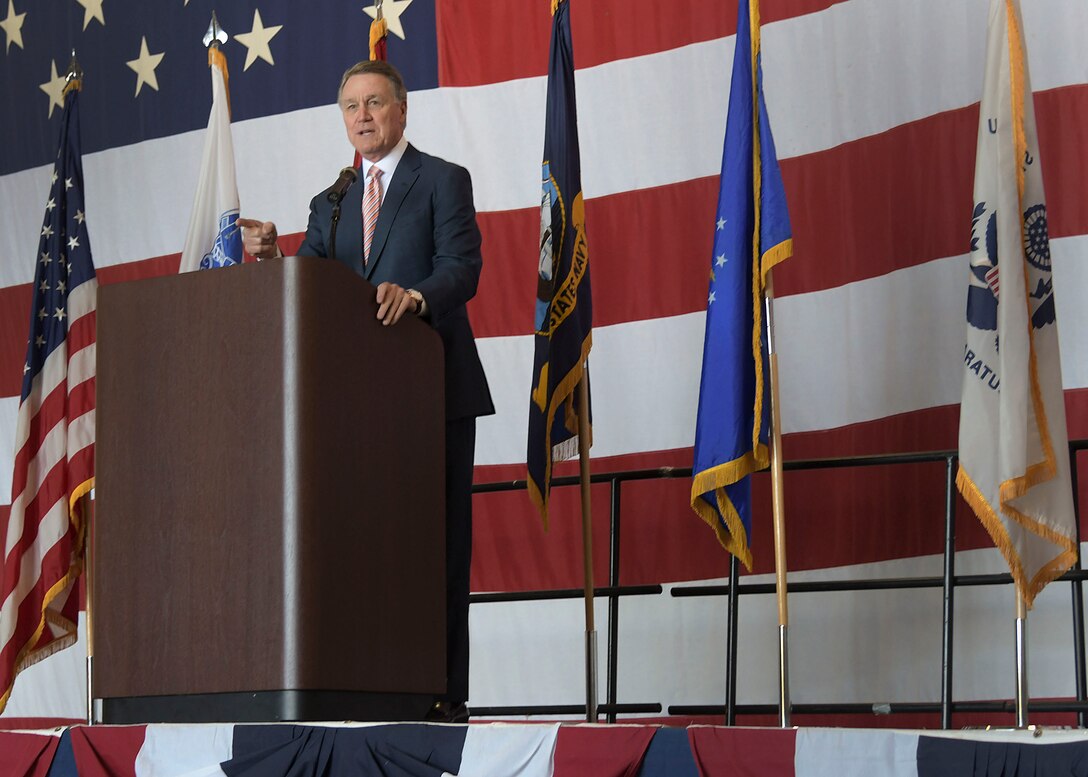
(426, 239)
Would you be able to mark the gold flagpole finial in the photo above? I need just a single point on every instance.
(74, 77)
(216, 35)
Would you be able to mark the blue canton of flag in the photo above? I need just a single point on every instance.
(564, 313)
(282, 54)
(54, 445)
(751, 235)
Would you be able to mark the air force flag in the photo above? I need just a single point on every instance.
(751, 235)
(1014, 462)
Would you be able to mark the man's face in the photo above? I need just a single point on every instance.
(373, 117)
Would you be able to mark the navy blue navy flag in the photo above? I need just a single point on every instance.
(54, 436)
(751, 235)
(564, 312)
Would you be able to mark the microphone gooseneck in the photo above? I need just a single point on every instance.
(348, 176)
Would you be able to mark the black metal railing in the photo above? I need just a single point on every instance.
(948, 581)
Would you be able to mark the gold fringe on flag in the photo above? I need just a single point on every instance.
(378, 31)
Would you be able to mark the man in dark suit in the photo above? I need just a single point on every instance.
(409, 227)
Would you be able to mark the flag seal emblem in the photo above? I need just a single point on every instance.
(1036, 237)
(227, 243)
(551, 212)
(983, 291)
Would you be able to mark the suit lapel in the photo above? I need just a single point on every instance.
(403, 180)
(349, 232)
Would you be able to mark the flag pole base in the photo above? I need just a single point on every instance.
(1021, 670)
(783, 677)
(591, 676)
(90, 693)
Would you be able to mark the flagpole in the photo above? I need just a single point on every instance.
(74, 81)
(88, 579)
(779, 516)
(1021, 661)
(587, 545)
(215, 35)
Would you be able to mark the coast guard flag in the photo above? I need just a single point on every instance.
(1014, 464)
(214, 239)
(54, 436)
(564, 311)
(751, 235)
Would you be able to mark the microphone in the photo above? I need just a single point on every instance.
(348, 176)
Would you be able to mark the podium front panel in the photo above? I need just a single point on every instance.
(270, 488)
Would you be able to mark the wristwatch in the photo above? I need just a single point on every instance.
(419, 300)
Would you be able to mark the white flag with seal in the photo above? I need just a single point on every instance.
(214, 239)
(1014, 460)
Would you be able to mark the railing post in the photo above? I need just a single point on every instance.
(1077, 596)
(731, 643)
(613, 596)
(948, 589)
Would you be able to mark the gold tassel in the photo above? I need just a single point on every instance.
(378, 31)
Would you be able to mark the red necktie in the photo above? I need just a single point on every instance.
(372, 202)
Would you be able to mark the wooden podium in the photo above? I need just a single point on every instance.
(270, 500)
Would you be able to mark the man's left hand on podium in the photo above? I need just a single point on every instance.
(394, 301)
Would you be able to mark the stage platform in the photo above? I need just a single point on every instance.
(532, 750)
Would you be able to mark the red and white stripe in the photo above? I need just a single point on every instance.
(54, 467)
(372, 201)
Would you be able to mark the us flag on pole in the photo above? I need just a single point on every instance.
(54, 437)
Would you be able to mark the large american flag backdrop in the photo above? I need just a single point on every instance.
(875, 112)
